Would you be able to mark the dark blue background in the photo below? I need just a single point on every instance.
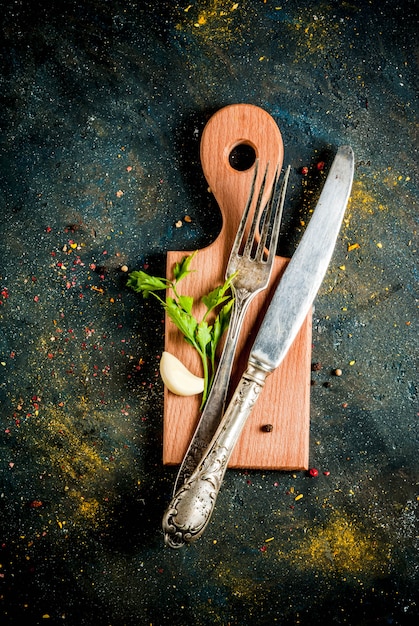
(99, 98)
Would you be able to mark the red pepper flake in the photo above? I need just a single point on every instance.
(48, 229)
(313, 472)
(263, 548)
(326, 473)
(36, 298)
(304, 170)
(320, 166)
(35, 504)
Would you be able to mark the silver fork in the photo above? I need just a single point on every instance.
(253, 261)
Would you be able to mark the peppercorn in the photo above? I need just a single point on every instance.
(327, 384)
(267, 428)
(316, 367)
(337, 372)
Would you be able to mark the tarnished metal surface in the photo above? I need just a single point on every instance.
(192, 506)
(102, 109)
(254, 269)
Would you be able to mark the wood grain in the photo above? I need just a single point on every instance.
(285, 401)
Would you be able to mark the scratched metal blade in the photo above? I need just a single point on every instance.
(305, 272)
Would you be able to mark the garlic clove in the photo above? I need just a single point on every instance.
(177, 378)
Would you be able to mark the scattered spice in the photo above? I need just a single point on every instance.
(313, 472)
(304, 170)
(320, 166)
(337, 372)
(316, 367)
(267, 428)
(36, 504)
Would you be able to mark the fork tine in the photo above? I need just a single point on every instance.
(251, 236)
(275, 207)
(240, 231)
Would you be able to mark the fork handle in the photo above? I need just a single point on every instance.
(214, 406)
(191, 508)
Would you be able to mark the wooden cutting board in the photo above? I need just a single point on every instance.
(284, 403)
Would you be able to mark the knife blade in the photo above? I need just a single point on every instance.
(191, 507)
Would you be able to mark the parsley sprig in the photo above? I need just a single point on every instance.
(205, 334)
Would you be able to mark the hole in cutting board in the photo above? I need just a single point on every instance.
(242, 157)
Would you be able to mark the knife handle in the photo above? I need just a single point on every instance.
(191, 507)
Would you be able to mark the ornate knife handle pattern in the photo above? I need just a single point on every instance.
(193, 504)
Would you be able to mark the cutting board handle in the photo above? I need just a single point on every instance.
(239, 130)
(284, 403)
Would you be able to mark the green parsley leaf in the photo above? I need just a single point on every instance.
(185, 323)
(186, 302)
(142, 282)
(181, 269)
(202, 335)
(222, 321)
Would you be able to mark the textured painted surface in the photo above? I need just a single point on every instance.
(102, 106)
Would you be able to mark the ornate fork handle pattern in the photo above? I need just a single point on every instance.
(214, 407)
(253, 266)
(191, 508)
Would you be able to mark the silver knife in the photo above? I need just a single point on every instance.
(191, 507)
